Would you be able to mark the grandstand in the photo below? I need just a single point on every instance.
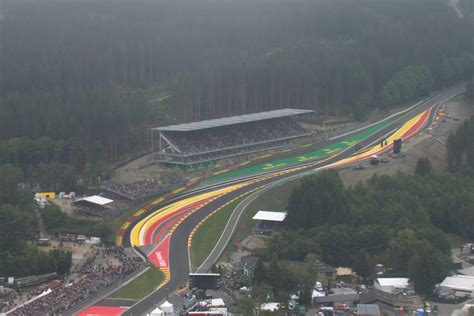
(199, 142)
(94, 206)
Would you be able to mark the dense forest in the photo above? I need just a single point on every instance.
(461, 143)
(382, 221)
(399, 221)
(82, 72)
(18, 226)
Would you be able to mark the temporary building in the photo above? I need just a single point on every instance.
(368, 310)
(167, 307)
(271, 307)
(467, 271)
(270, 216)
(460, 285)
(157, 312)
(316, 293)
(392, 285)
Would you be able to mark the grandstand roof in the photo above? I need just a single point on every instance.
(95, 199)
(246, 118)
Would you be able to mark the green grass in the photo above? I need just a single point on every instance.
(273, 200)
(209, 232)
(141, 286)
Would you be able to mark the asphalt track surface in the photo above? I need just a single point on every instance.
(178, 241)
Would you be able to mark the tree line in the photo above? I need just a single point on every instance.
(19, 228)
(57, 222)
(85, 70)
(56, 165)
(460, 143)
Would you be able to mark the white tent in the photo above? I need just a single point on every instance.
(157, 312)
(316, 293)
(392, 285)
(272, 307)
(167, 307)
(461, 285)
(270, 216)
(96, 199)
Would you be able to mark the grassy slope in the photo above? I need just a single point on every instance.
(141, 286)
(272, 200)
(208, 234)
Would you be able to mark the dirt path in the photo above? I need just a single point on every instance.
(431, 145)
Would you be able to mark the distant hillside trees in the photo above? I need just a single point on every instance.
(324, 201)
(85, 70)
(49, 164)
(461, 146)
(407, 84)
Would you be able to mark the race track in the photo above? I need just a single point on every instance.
(163, 229)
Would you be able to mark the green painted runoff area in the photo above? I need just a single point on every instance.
(313, 155)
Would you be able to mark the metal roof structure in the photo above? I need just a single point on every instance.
(459, 282)
(368, 309)
(205, 274)
(225, 121)
(270, 216)
(467, 271)
(96, 199)
(398, 282)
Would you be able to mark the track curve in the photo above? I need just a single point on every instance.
(165, 228)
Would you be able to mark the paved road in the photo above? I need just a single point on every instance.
(179, 260)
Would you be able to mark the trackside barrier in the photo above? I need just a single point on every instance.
(141, 254)
(126, 225)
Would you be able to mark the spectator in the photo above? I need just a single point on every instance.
(234, 135)
(93, 278)
(135, 190)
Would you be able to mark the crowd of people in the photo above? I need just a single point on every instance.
(216, 139)
(134, 190)
(92, 279)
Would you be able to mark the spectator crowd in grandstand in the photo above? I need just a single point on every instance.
(135, 190)
(92, 279)
(218, 138)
